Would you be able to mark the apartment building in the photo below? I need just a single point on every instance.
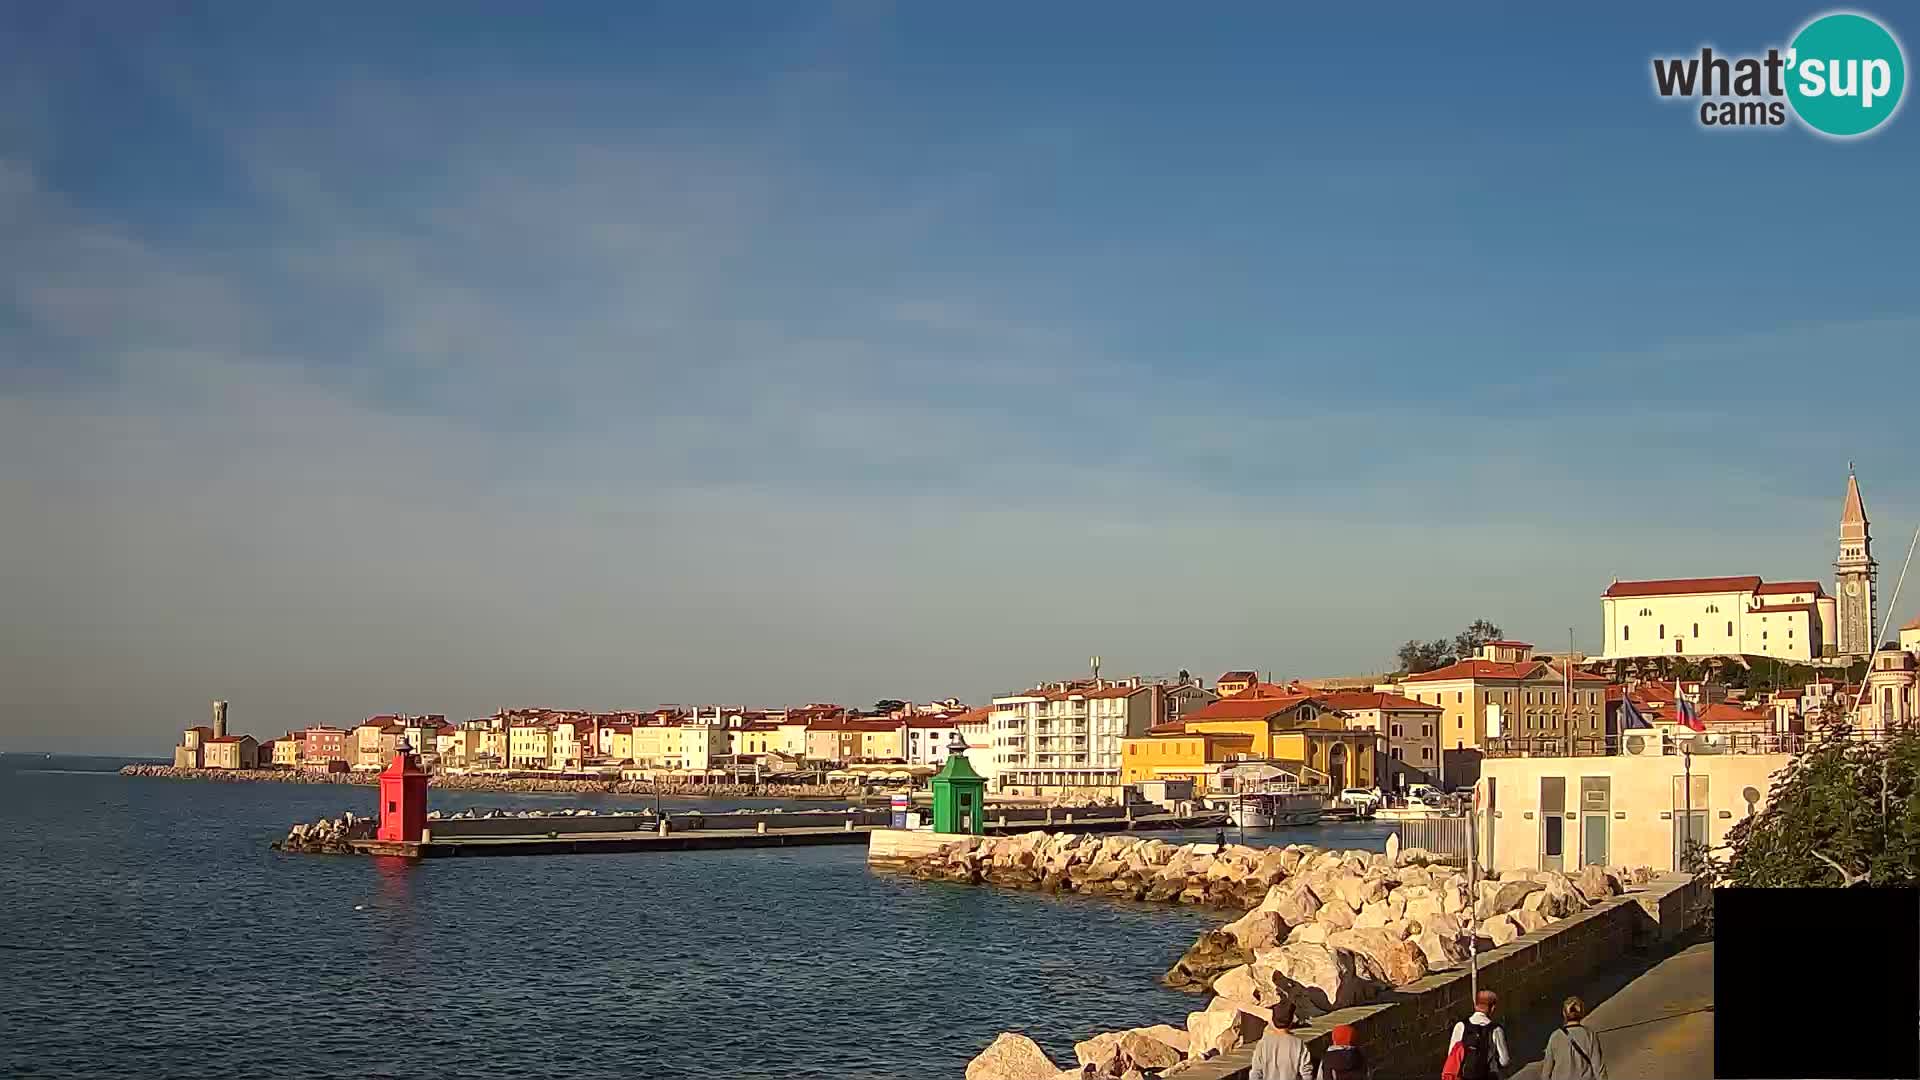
(1065, 738)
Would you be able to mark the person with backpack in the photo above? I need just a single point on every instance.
(1573, 1051)
(1479, 1047)
(1343, 1060)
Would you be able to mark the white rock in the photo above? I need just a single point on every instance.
(1012, 1056)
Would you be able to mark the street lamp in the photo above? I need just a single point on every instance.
(1686, 835)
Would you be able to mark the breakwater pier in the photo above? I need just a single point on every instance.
(580, 832)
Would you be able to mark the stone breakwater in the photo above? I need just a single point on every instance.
(1323, 929)
(328, 836)
(519, 784)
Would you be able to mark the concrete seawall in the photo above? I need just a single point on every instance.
(1405, 1034)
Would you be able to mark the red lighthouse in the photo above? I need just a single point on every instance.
(403, 797)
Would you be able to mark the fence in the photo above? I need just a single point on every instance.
(1447, 836)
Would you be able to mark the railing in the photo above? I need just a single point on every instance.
(1447, 836)
(1518, 746)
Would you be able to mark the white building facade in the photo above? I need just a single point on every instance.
(1064, 738)
(1723, 616)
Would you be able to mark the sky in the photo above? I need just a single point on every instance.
(443, 357)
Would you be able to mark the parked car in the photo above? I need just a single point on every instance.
(1360, 798)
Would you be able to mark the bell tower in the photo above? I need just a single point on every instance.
(1854, 575)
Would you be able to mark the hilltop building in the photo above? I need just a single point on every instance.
(1744, 616)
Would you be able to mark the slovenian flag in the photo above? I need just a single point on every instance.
(1630, 717)
(1689, 712)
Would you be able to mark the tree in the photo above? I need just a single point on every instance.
(1467, 642)
(1418, 656)
(1844, 812)
(888, 705)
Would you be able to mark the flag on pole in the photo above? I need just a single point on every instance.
(1630, 716)
(1687, 711)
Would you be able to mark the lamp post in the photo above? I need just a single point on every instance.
(1686, 834)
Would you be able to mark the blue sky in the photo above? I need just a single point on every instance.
(437, 357)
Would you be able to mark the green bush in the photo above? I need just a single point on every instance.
(1844, 812)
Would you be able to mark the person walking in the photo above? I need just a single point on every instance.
(1573, 1051)
(1280, 1055)
(1480, 1043)
(1343, 1060)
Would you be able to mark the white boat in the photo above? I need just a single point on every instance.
(1414, 810)
(1264, 796)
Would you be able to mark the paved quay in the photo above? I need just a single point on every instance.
(1653, 1021)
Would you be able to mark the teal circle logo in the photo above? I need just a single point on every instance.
(1845, 74)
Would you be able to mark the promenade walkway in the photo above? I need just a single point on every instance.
(1653, 1020)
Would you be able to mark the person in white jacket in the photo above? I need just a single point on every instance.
(1494, 1061)
(1280, 1055)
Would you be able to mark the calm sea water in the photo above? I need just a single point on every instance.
(149, 930)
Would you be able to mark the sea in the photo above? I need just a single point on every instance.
(148, 929)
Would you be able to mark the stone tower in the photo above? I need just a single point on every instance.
(219, 719)
(1854, 573)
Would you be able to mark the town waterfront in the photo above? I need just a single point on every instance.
(149, 922)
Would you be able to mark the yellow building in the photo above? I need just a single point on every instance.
(1506, 693)
(1299, 733)
(229, 752)
(882, 744)
(530, 745)
(692, 747)
(1170, 752)
(286, 751)
(1235, 682)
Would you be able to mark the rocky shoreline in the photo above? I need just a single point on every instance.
(521, 785)
(1323, 929)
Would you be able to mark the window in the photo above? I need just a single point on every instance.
(1626, 633)
(1426, 731)
(1426, 753)
(1663, 631)
(1646, 611)
(1729, 629)
(1763, 635)
(1459, 696)
(1696, 629)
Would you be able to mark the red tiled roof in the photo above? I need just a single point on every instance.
(1349, 700)
(1171, 727)
(1239, 676)
(1115, 692)
(1501, 670)
(1672, 586)
(1790, 695)
(1723, 713)
(1244, 707)
(1789, 587)
(1512, 644)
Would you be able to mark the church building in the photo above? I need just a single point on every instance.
(1745, 616)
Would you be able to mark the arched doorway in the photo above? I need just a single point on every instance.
(1337, 766)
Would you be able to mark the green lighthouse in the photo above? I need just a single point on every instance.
(959, 793)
